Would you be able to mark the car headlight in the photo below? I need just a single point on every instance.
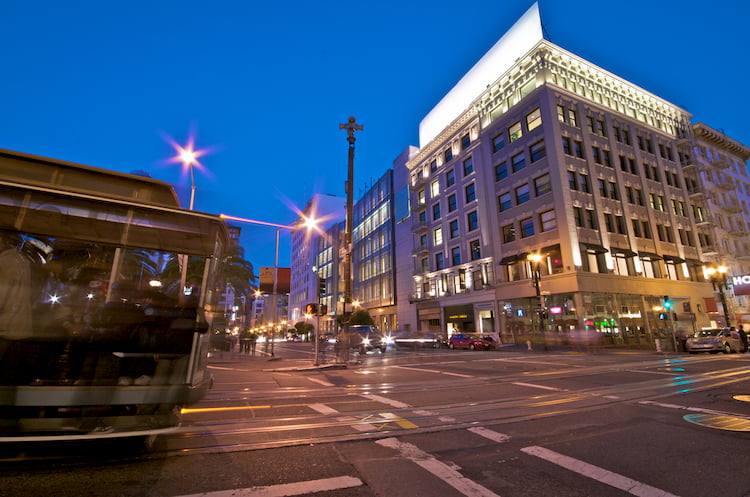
(366, 341)
(389, 340)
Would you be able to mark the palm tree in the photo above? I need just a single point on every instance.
(239, 273)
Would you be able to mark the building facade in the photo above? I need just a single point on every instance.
(558, 199)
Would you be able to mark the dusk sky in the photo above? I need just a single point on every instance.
(265, 85)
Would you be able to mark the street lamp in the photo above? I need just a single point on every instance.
(718, 277)
(535, 260)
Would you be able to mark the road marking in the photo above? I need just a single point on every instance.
(650, 372)
(742, 398)
(492, 435)
(596, 473)
(403, 423)
(287, 489)
(321, 382)
(543, 387)
(693, 409)
(393, 403)
(436, 371)
(446, 473)
(323, 409)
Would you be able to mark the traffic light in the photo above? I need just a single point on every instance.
(311, 309)
(667, 304)
(323, 309)
(321, 286)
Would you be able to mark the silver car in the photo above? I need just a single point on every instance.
(714, 340)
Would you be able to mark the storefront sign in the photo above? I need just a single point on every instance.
(741, 284)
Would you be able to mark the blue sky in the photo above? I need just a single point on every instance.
(265, 85)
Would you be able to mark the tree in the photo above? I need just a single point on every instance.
(303, 327)
(361, 316)
(238, 272)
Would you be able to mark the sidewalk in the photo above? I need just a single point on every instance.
(265, 362)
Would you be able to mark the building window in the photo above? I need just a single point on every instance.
(522, 194)
(537, 151)
(572, 180)
(471, 194)
(439, 261)
(591, 222)
(498, 143)
(453, 225)
(527, 227)
(436, 212)
(475, 250)
(547, 220)
(437, 236)
(501, 171)
(425, 264)
(433, 166)
(509, 233)
(450, 178)
(435, 189)
(566, 145)
(468, 166)
(533, 119)
(421, 197)
(542, 185)
(578, 149)
(515, 132)
(448, 154)
(578, 216)
(472, 220)
(583, 183)
(504, 202)
(456, 256)
(518, 161)
(465, 141)
(451, 203)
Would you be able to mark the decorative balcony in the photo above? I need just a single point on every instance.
(732, 209)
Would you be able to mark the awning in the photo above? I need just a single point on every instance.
(674, 259)
(649, 256)
(512, 259)
(623, 252)
(596, 249)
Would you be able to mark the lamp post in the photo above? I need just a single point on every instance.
(536, 260)
(718, 277)
(350, 126)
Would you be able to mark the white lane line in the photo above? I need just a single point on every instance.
(492, 435)
(693, 409)
(596, 473)
(543, 387)
(393, 403)
(446, 473)
(287, 489)
(436, 371)
(321, 382)
(323, 409)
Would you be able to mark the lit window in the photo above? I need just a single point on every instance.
(437, 236)
(435, 189)
(534, 119)
(475, 250)
(509, 233)
(515, 132)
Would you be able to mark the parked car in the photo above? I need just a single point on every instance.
(468, 341)
(714, 340)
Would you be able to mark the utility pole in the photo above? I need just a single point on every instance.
(351, 126)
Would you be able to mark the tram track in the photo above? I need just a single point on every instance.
(256, 434)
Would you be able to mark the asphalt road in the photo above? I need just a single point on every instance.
(424, 422)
